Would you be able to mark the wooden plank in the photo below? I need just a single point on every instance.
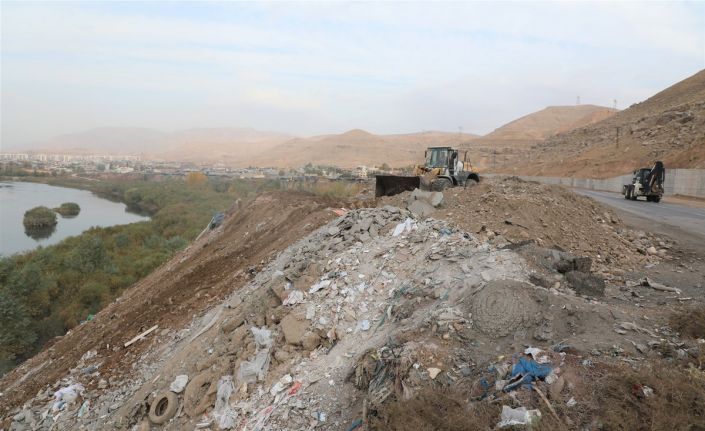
(142, 335)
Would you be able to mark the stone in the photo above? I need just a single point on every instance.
(311, 341)
(586, 284)
(282, 355)
(294, 327)
(651, 250)
(232, 323)
(420, 208)
(433, 372)
(102, 384)
(179, 383)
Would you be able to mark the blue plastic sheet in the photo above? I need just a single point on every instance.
(525, 372)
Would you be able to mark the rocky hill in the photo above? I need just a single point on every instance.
(669, 126)
(358, 147)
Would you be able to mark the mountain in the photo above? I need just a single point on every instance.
(550, 121)
(669, 126)
(357, 147)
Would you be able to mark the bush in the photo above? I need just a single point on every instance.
(69, 209)
(39, 217)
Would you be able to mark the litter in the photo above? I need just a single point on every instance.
(536, 354)
(179, 383)
(251, 371)
(84, 408)
(319, 416)
(223, 413)
(216, 221)
(658, 286)
(281, 384)
(519, 416)
(295, 297)
(66, 395)
(406, 226)
(320, 285)
(571, 402)
(525, 372)
(363, 325)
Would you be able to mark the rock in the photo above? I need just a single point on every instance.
(651, 250)
(311, 341)
(420, 208)
(556, 388)
(232, 323)
(102, 384)
(433, 372)
(282, 355)
(179, 383)
(294, 328)
(586, 284)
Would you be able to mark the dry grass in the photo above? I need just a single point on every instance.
(690, 323)
(610, 397)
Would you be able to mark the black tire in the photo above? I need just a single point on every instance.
(632, 194)
(649, 199)
(441, 184)
(163, 408)
(656, 199)
(626, 194)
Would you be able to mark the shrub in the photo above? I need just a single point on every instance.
(39, 217)
(69, 209)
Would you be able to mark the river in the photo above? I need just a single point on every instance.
(18, 197)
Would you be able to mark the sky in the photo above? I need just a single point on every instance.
(327, 67)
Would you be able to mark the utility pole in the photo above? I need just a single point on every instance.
(577, 100)
(617, 137)
(614, 105)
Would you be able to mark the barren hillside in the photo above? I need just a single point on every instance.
(669, 126)
(357, 147)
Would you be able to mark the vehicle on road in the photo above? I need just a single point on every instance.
(646, 182)
(442, 169)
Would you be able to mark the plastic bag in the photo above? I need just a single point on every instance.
(252, 371)
(223, 413)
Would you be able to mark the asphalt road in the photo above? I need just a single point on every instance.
(691, 220)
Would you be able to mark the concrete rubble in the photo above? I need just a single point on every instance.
(379, 301)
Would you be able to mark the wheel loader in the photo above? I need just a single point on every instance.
(442, 169)
(646, 182)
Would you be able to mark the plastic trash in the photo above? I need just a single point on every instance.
(281, 384)
(363, 325)
(525, 372)
(66, 395)
(252, 371)
(295, 297)
(320, 285)
(84, 408)
(217, 220)
(179, 383)
(519, 416)
(223, 413)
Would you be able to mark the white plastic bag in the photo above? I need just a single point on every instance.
(223, 413)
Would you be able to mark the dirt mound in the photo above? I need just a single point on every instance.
(668, 126)
(193, 281)
(513, 210)
(362, 313)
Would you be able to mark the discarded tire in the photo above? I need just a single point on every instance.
(163, 408)
(197, 394)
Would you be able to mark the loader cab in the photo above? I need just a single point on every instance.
(642, 175)
(437, 157)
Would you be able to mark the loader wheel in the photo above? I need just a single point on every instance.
(632, 194)
(163, 408)
(441, 184)
(656, 199)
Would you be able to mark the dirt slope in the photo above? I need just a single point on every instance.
(192, 281)
(669, 126)
(357, 147)
(350, 317)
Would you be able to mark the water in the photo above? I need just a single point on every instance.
(18, 197)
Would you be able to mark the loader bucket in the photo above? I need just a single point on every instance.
(390, 185)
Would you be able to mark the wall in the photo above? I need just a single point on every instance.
(687, 182)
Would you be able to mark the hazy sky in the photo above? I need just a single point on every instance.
(310, 68)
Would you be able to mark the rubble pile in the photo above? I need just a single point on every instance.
(370, 308)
